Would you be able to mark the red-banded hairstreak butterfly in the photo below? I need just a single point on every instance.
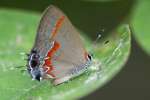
(58, 52)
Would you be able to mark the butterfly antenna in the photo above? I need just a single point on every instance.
(20, 66)
(23, 70)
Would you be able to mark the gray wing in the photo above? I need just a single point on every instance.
(70, 60)
(47, 23)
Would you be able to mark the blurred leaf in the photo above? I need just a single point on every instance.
(17, 33)
(141, 23)
(92, 16)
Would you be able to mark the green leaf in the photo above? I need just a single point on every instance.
(17, 31)
(141, 23)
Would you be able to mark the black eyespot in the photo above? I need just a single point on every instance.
(89, 56)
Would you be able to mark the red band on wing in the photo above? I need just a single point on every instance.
(57, 26)
(48, 64)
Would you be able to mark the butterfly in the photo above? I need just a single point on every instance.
(58, 52)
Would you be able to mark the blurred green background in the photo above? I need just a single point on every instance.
(133, 81)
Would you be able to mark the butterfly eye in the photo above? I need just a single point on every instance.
(34, 63)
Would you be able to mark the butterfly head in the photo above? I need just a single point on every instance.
(33, 65)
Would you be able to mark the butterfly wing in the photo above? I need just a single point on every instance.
(47, 24)
(60, 41)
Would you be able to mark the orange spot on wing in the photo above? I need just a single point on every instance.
(57, 26)
(86, 55)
